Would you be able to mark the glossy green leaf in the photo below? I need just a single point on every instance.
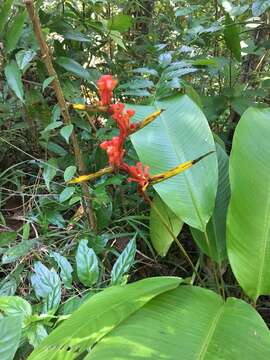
(98, 316)
(66, 131)
(120, 22)
(24, 57)
(65, 267)
(69, 172)
(87, 264)
(179, 134)
(231, 36)
(5, 10)
(47, 82)
(50, 171)
(161, 237)
(248, 220)
(14, 79)
(35, 334)
(15, 31)
(213, 240)
(117, 38)
(8, 288)
(73, 67)
(260, 6)
(10, 330)
(15, 306)
(165, 59)
(188, 323)
(47, 285)
(66, 194)
(123, 262)
(17, 251)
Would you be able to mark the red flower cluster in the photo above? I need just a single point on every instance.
(114, 150)
(122, 118)
(115, 147)
(106, 84)
(139, 175)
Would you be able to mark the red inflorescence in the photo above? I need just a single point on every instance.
(115, 147)
(139, 175)
(114, 150)
(106, 85)
(122, 118)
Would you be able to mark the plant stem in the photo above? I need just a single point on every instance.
(46, 57)
(183, 251)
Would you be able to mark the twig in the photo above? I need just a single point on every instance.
(46, 57)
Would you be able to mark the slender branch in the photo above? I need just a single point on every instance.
(46, 57)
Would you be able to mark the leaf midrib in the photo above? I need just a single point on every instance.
(183, 174)
(209, 336)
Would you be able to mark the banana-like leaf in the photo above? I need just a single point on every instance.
(98, 316)
(248, 223)
(179, 134)
(213, 240)
(188, 323)
(161, 237)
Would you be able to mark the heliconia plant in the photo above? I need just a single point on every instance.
(115, 149)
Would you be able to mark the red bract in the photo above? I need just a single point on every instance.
(122, 118)
(115, 147)
(106, 84)
(139, 175)
(114, 151)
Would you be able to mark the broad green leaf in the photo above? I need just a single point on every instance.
(15, 31)
(66, 194)
(117, 38)
(231, 36)
(120, 22)
(53, 125)
(15, 306)
(7, 237)
(73, 67)
(165, 59)
(87, 264)
(188, 323)
(69, 172)
(248, 220)
(10, 330)
(260, 6)
(179, 134)
(17, 251)
(66, 131)
(137, 84)
(8, 288)
(47, 82)
(24, 57)
(14, 79)
(35, 334)
(213, 240)
(161, 238)
(76, 36)
(47, 285)
(65, 267)
(147, 71)
(98, 316)
(5, 11)
(123, 262)
(50, 171)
